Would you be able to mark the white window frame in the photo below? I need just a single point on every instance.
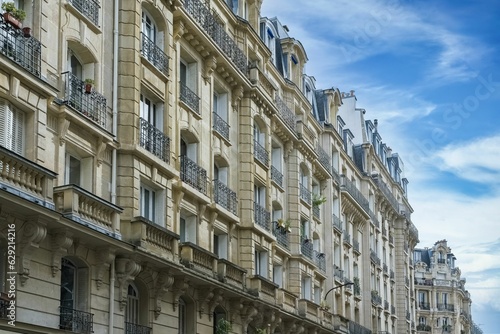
(12, 128)
(261, 262)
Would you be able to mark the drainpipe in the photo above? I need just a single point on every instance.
(111, 296)
(113, 160)
(115, 99)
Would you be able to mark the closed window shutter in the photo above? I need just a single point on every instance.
(11, 128)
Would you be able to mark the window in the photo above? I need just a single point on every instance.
(188, 78)
(220, 114)
(79, 171)
(278, 274)
(132, 311)
(182, 317)
(306, 287)
(186, 316)
(260, 195)
(317, 294)
(261, 263)
(74, 296)
(151, 112)
(220, 245)
(151, 202)
(187, 228)
(148, 26)
(12, 125)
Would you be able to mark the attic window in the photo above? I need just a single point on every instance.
(270, 33)
(294, 59)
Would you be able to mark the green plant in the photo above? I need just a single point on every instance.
(317, 199)
(284, 224)
(223, 327)
(10, 7)
(89, 81)
(324, 305)
(260, 331)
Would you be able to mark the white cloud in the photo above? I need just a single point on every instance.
(476, 160)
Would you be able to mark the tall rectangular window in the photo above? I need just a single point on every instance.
(148, 203)
(12, 124)
(261, 263)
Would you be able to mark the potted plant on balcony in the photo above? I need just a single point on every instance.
(324, 306)
(13, 15)
(317, 200)
(88, 85)
(284, 224)
(223, 327)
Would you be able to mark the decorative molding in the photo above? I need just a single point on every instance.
(63, 126)
(101, 148)
(61, 241)
(163, 282)
(216, 300)
(205, 295)
(30, 235)
(210, 64)
(126, 271)
(179, 30)
(180, 287)
(105, 256)
(236, 96)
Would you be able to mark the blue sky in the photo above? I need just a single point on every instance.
(429, 71)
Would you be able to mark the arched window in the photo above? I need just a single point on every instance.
(148, 26)
(220, 320)
(136, 313)
(186, 317)
(182, 317)
(132, 312)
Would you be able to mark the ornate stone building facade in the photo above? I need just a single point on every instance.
(169, 167)
(443, 303)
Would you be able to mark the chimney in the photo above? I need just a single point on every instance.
(375, 122)
(352, 92)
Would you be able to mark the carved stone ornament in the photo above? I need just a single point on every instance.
(29, 237)
(126, 271)
(61, 241)
(163, 282)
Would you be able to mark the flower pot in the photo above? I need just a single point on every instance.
(88, 88)
(12, 20)
(27, 32)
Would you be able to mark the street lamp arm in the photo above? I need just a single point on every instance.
(336, 287)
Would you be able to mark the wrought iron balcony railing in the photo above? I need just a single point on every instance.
(320, 260)
(355, 245)
(424, 306)
(374, 257)
(89, 8)
(24, 51)
(276, 176)
(260, 153)
(202, 15)
(221, 126)
(76, 321)
(225, 197)
(347, 238)
(190, 98)
(4, 304)
(281, 236)
(391, 274)
(154, 54)
(262, 216)
(193, 174)
(355, 328)
(285, 113)
(338, 274)
(305, 194)
(337, 223)
(131, 328)
(351, 189)
(376, 299)
(388, 194)
(306, 247)
(316, 211)
(324, 159)
(154, 140)
(92, 105)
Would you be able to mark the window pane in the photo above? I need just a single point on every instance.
(74, 171)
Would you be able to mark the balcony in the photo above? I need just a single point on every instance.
(263, 288)
(193, 174)
(154, 140)
(324, 159)
(316, 212)
(152, 237)
(260, 153)
(374, 257)
(424, 328)
(286, 115)
(391, 239)
(373, 218)
(376, 299)
(337, 223)
(281, 236)
(305, 194)
(262, 216)
(338, 274)
(89, 8)
(91, 105)
(423, 281)
(355, 246)
(87, 209)
(24, 51)
(199, 259)
(76, 321)
(357, 287)
(189, 98)
(203, 16)
(230, 273)
(131, 328)
(388, 194)
(154, 54)
(424, 306)
(347, 238)
(225, 197)
(320, 260)
(393, 309)
(4, 305)
(221, 126)
(385, 269)
(446, 307)
(276, 177)
(355, 328)
(306, 247)
(351, 189)
(26, 179)
(391, 274)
